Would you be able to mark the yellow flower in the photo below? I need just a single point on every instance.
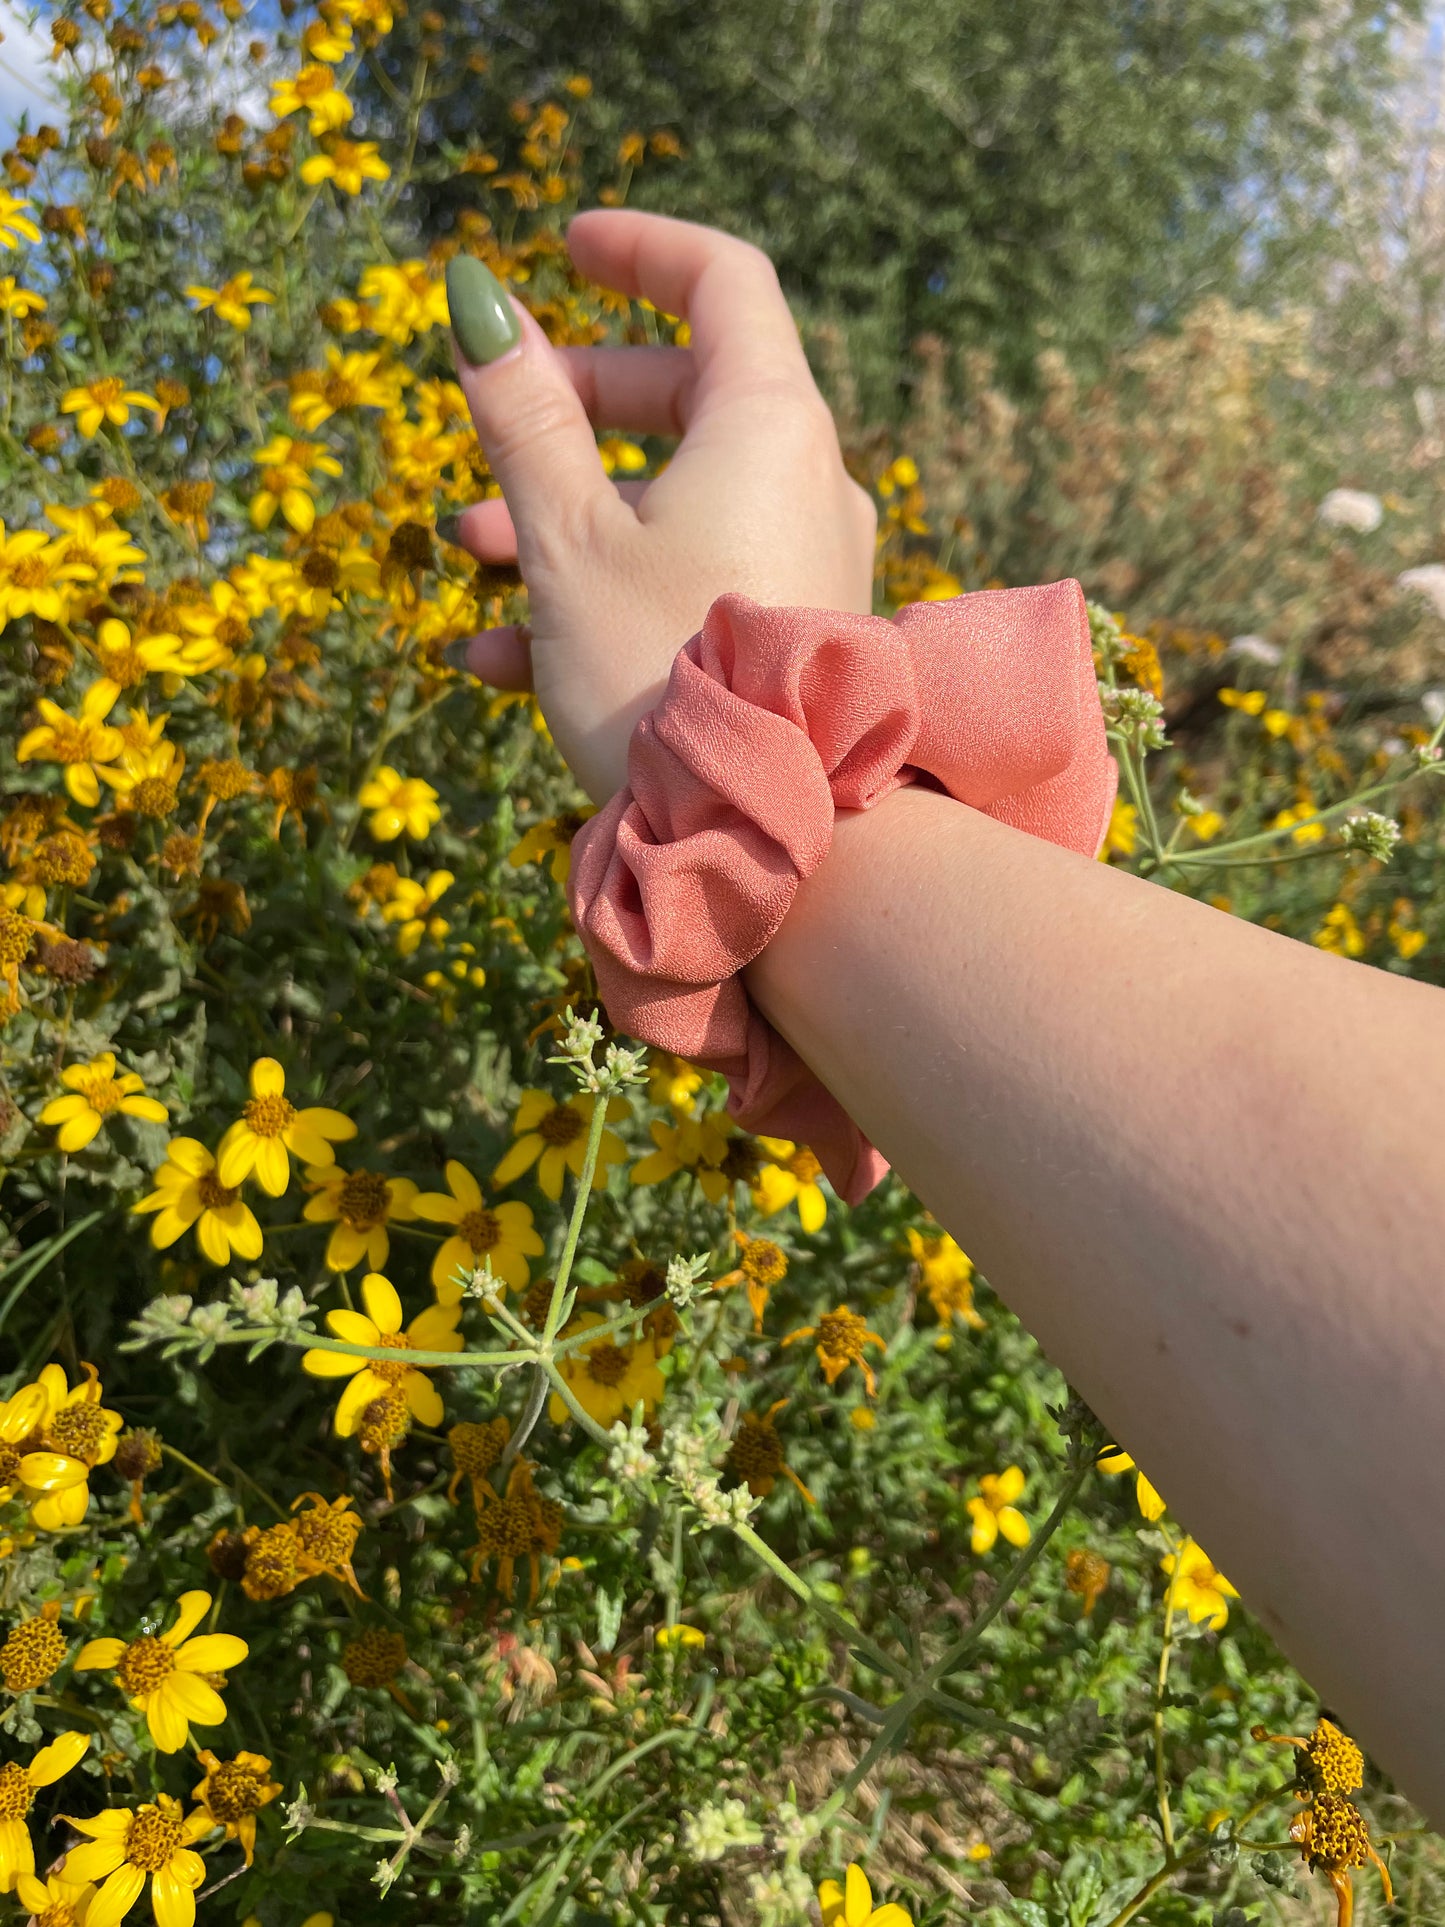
(128, 1843)
(607, 1379)
(1206, 824)
(434, 1330)
(792, 1177)
(405, 299)
(399, 804)
(162, 1675)
(18, 301)
(347, 164)
(95, 549)
(269, 1127)
(1150, 1503)
(672, 1081)
(501, 1233)
(947, 1274)
(361, 1203)
(105, 399)
(1250, 701)
(347, 381)
(994, 1511)
(84, 744)
(553, 1136)
(125, 662)
(55, 1901)
(187, 1193)
(18, 1787)
(313, 91)
(697, 1144)
(56, 1435)
(147, 779)
(1340, 933)
(668, 1637)
(15, 225)
(552, 838)
(232, 1791)
(411, 904)
(35, 574)
(1122, 836)
(93, 1092)
(287, 466)
(1305, 819)
(851, 1905)
(232, 301)
(840, 1337)
(1196, 1586)
(1407, 939)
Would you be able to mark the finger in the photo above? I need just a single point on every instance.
(647, 391)
(529, 419)
(723, 287)
(501, 656)
(487, 532)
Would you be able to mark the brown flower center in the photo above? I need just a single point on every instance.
(607, 1364)
(482, 1230)
(841, 1335)
(561, 1126)
(154, 796)
(214, 1195)
(78, 1431)
(154, 1835)
(270, 1116)
(143, 1665)
(103, 1094)
(29, 1656)
(29, 572)
(804, 1166)
(363, 1200)
(16, 1792)
(764, 1262)
(321, 570)
(233, 1789)
(17, 933)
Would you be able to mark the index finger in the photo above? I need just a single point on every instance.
(743, 332)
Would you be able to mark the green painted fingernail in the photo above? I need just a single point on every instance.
(483, 319)
(457, 653)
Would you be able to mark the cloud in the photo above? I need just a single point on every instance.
(25, 71)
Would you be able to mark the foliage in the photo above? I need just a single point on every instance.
(594, 1598)
(1011, 177)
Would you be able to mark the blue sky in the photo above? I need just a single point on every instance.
(24, 69)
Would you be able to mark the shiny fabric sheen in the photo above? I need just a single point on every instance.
(773, 719)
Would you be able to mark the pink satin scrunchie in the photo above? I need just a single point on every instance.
(773, 719)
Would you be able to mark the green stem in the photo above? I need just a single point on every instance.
(1161, 1782)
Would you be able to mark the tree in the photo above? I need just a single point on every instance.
(1002, 174)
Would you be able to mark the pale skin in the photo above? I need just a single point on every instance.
(1202, 1162)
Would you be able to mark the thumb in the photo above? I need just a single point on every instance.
(529, 418)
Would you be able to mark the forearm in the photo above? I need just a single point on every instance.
(1204, 1165)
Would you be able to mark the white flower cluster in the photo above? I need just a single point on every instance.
(683, 1275)
(687, 1451)
(621, 1065)
(1351, 508)
(1134, 712)
(629, 1457)
(1371, 833)
(711, 1831)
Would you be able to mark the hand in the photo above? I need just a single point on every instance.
(619, 575)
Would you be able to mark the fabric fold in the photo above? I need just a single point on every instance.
(773, 719)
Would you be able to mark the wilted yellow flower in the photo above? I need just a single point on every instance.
(233, 300)
(232, 1791)
(501, 1234)
(93, 1092)
(270, 1126)
(839, 1340)
(433, 1330)
(161, 1674)
(361, 1204)
(553, 1136)
(56, 1435)
(994, 1512)
(188, 1192)
(104, 399)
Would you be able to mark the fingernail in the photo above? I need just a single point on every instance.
(449, 530)
(483, 319)
(456, 654)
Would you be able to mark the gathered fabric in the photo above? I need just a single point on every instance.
(773, 720)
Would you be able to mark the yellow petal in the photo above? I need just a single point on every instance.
(166, 1718)
(196, 1698)
(99, 1857)
(53, 1762)
(273, 1166)
(191, 1609)
(211, 1653)
(97, 1653)
(119, 1894)
(857, 1896)
(267, 1078)
(382, 1304)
